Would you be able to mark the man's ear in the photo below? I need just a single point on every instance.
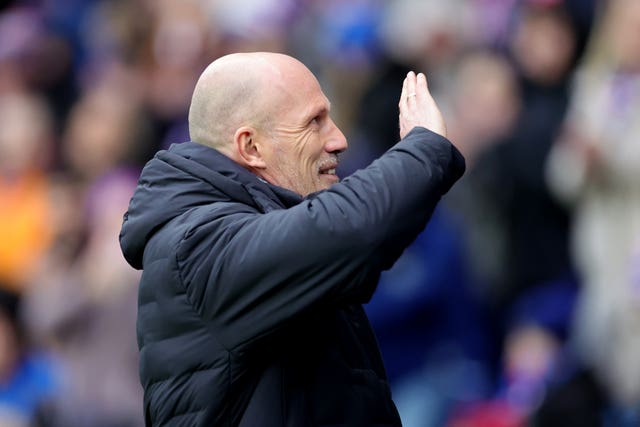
(249, 148)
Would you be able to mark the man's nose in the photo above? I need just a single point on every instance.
(336, 141)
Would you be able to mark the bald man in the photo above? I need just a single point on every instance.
(256, 258)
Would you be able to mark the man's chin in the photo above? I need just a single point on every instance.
(323, 183)
(328, 180)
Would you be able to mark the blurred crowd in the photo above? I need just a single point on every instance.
(518, 306)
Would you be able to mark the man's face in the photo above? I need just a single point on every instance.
(304, 143)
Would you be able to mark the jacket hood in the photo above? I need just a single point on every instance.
(186, 176)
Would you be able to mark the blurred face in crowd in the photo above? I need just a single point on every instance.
(25, 134)
(624, 26)
(544, 45)
(486, 97)
(529, 352)
(97, 135)
(302, 141)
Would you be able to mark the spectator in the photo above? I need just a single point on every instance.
(535, 226)
(27, 379)
(483, 106)
(25, 143)
(595, 169)
(86, 312)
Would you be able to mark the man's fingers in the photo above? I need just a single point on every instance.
(403, 94)
(421, 86)
(422, 80)
(411, 88)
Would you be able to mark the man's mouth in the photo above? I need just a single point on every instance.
(331, 171)
(328, 166)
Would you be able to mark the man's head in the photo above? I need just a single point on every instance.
(267, 112)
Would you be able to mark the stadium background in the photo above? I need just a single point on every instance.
(520, 303)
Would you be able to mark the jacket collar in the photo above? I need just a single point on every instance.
(265, 196)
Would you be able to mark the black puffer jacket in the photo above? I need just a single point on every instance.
(249, 302)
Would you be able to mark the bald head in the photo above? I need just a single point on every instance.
(241, 89)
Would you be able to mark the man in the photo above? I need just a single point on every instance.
(256, 260)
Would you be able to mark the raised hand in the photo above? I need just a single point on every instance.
(418, 108)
